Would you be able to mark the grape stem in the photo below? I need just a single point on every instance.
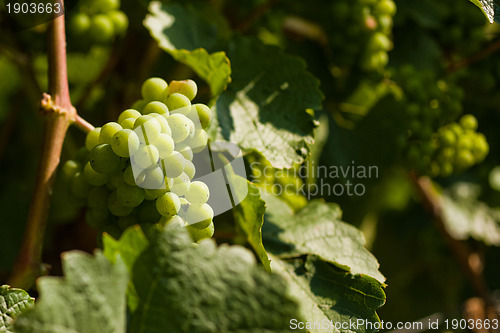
(59, 114)
(469, 262)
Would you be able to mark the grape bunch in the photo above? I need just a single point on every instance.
(361, 31)
(98, 20)
(433, 142)
(139, 169)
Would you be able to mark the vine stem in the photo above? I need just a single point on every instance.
(59, 114)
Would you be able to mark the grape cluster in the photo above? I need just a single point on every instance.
(139, 169)
(361, 31)
(434, 143)
(99, 20)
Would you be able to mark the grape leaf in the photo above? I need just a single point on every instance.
(204, 288)
(13, 302)
(186, 34)
(317, 229)
(249, 215)
(328, 294)
(490, 8)
(90, 298)
(465, 216)
(130, 245)
(265, 106)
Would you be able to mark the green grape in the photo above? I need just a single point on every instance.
(127, 221)
(92, 138)
(199, 141)
(379, 41)
(70, 168)
(97, 218)
(464, 159)
(165, 145)
(200, 216)
(447, 137)
(79, 187)
(82, 155)
(176, 219)
(125, 142)
(152, 179)
(190, 169)
(173, 165)
(104, 6)
(139, 105)
(120, 21)
(181, 127)
(181, 184)
(98, 198)
(468, 122)
(178, 101)
(128, 177)
(464, 142)
(148, 128)
(168, 204)
(199, 234)
(165, 128)
(152, 89)
(385, 7)
(154, 194)
(187, 88)
(186, 151)
(147, 212)
(128, 123)
(198, 193)
(103, 159)
(93, 177)
(480, 147)
(129, 196)
(79, 23)
(146, 156)
(129, 113)
(116, 208)
(204, 114)
(156, 107)
(108, 131)
(101, 28)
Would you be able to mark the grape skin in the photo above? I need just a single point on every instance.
(125, 142)
(168, 204)
(200, 216)
(198, 193)
(103, 159)
(152, 89)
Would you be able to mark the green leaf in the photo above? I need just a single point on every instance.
(317, 229)
(185, 287)
(130, 245)
(185, 33)
(89, 299)
(249, 215)
(265, 106)
(13, 302)
(465, 216)
(327, 294)
(490, 8)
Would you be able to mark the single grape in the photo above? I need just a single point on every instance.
(128, 123)
(190, 169)
(98, 198)
(385, 7)
(155, 107)
(104, 6)
(147, 128)
(147, 212)
(200, 216)
(168, 204)
(187, 88)
(152, 179)
(128, 177)
(92, 138)
(108, 131)
(173, 165)
(129, 196)
(152, 89)
(468, 122)
(79, 187)
(176, 219)
(187, 152)
(93, 177)
(103, 159)
(199, 141)
(125, 143)
(464, 159)
(480, 147)
(182, 127)
(199, 234)
(119, 20)
(146, 156)
(82, 155)
(165, 145)
(204, 114)
(181, 184)
(177, 101)
(154, 194)
(129, 113)
(198, 193)
(116, 208)
(69, 169)
(79, 23)
(101, 28)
